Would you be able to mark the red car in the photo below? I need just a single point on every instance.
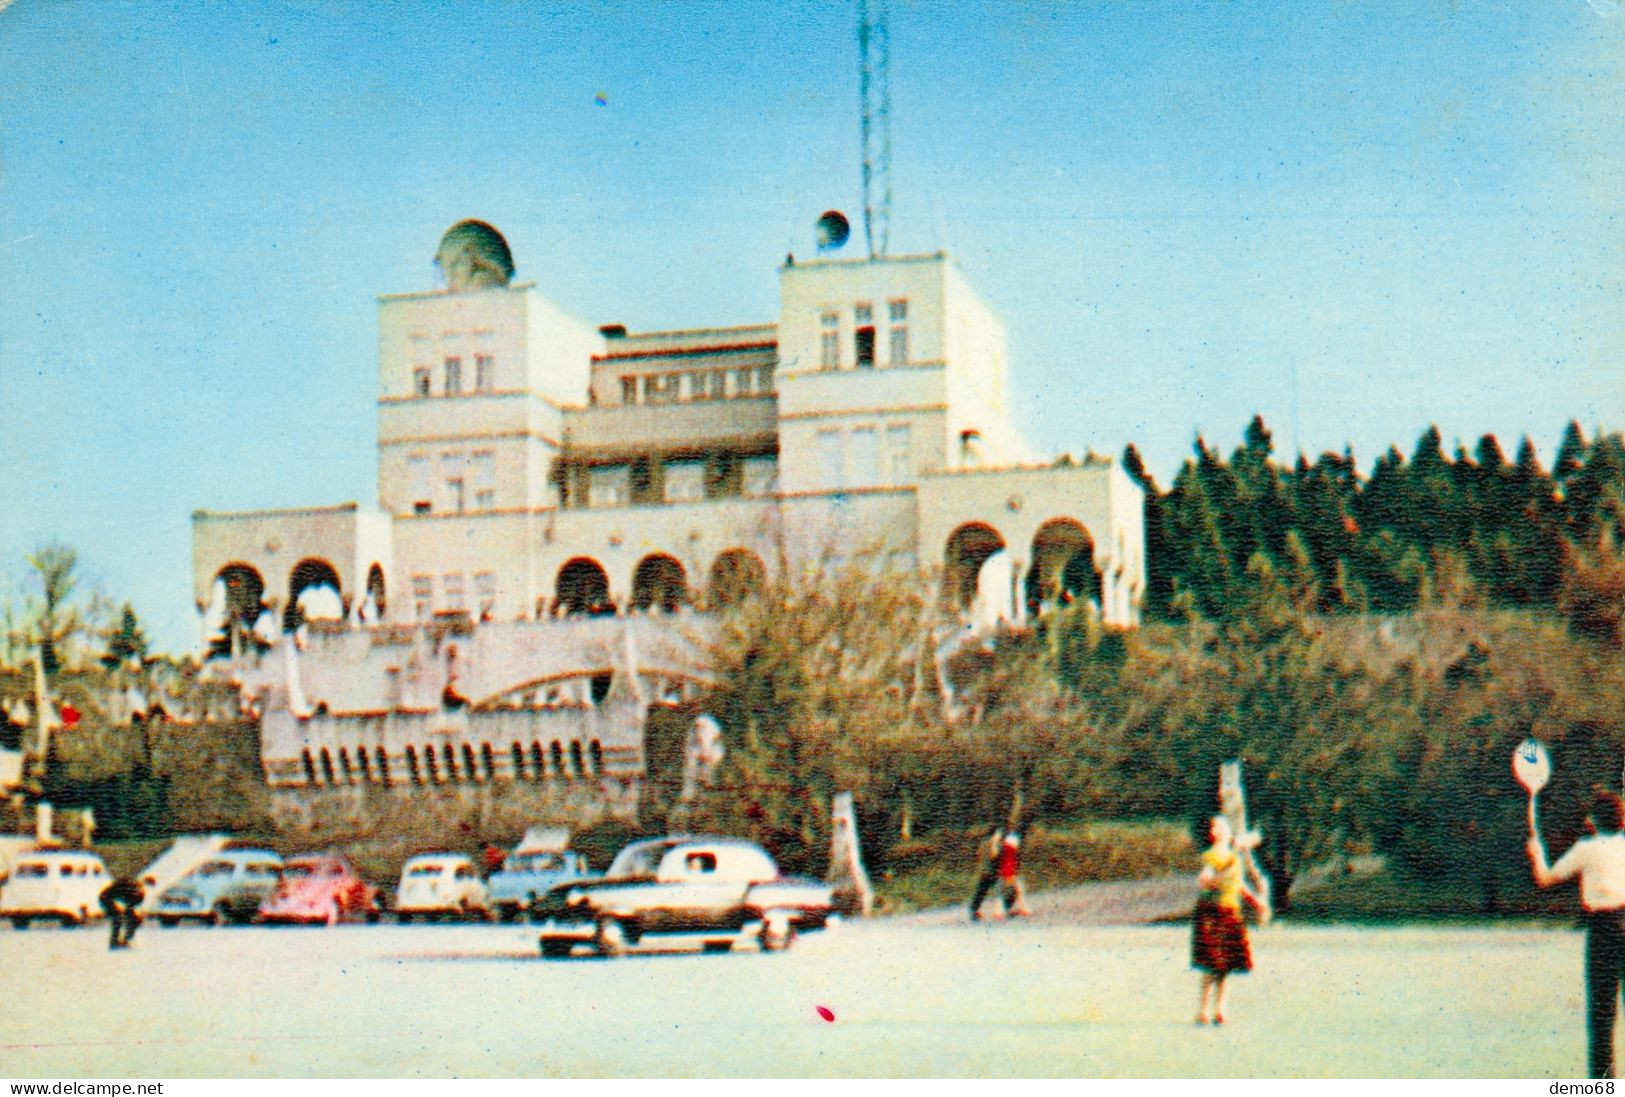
(319, 888)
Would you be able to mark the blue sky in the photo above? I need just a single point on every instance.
(1413, 208)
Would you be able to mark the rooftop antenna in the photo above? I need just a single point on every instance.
(874, 49)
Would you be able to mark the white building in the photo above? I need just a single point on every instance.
(537, 476)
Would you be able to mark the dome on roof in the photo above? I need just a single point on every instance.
(474, 255)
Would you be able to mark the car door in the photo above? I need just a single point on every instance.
(696, 893)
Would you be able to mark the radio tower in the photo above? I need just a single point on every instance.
(874, 49)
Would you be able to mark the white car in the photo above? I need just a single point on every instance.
(439, 884)
(62, 884)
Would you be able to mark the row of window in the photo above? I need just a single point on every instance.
(864, 337)
(467, 481)
(860, 457)
(698, 384)
(454, 593)
(650, 480)
(452, 376)
(432, 766)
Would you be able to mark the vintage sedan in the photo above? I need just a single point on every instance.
(65, 885)
(436, 885)
(228, 887)
(322, 888)
(525, 877)
(723, 890)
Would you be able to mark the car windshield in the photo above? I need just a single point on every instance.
(297, 871)
(217, 868)
(33, 870)
(638, 860)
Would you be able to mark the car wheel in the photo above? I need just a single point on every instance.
(610, 939)
(219, 916)
(69, 920)
(507, 912)
(403, 917)
(778, 931)
(168, 923)
(20, 923)
(718, 946)
(332, 918)
(555, 949)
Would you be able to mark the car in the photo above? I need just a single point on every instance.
(440, 884)
(525, 877)
(722, 890)
(320, 888)
(228, 887)
(62, 884)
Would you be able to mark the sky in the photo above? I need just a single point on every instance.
(1356, 219)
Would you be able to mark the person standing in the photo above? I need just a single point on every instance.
(119, 901)
(988, 853)
(1009, 869)
(1599, 861)
(1219, 946)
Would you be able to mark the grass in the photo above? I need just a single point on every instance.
(942, 871)
(1387, 896)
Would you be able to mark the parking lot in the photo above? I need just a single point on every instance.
(907, 998)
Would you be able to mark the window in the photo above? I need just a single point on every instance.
(764, 379)
(723, 476)
(830, 470)
(629, 390)
(420, 381)
(744, 381)
(702, 862)
(899, 454)
(451, 470)
(899, 333)
(452, 584)
(760, 476)
(863, 347)
(697, 384)
(685, 481)
(417, 477)
(865, 457)
(454, 376)
(422, 594)
(829, 354)
(485, 479)
(643, 482)
(485, 592)
(719, 384)
(484, 373)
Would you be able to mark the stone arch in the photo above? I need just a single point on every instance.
(1063, 566)
(578, 765)
(383, 765)
(412, 765)
(471, 767)
(517, 754)
(659, 583)
(327, 768)
(431, 765)
(239, 591)
(538, 761)
(557, 754)
(310, 766)
(735, 575)
(582, 587)
(344, 766)
(364, 764)
(968, 548)
(489, 757)
(310, 576)
(595, 756)
(449, 753)
(376, 601)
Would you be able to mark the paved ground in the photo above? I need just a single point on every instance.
(917, 997)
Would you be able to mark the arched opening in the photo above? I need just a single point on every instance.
(517, 753)
(595, 755)
(364, 764)
(577, 766)
(344, 766)
(735, 576)
(314, 594)
(538, 762)
(488, 756)
(431, 767)
(375, 603)
(449, 752)
(310, 767)
(327, 768)
(237, 601)
(582, 587)
(383, 766)
(1063, 567)
(968, 549)
(558, 760)
(412, 766)
(598, 686)
(659, 583)
(471, 769)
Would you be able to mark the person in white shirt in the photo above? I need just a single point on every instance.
(1599, 861)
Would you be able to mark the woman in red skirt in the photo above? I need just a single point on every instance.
(1218, 934)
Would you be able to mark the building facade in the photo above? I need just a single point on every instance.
(553, 496)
